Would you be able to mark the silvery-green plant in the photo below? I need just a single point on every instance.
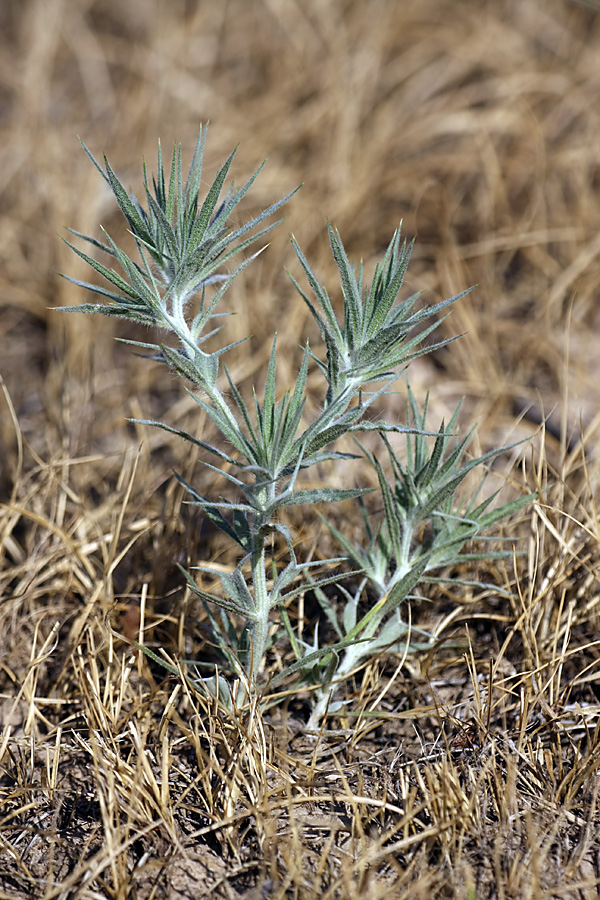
(423, 529)
(185, 250)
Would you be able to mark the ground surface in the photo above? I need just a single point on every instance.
(470, 772)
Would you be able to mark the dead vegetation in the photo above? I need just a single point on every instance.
(471, 772)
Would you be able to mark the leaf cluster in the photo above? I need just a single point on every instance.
(424, 528)
(183, 245)
(374, 339)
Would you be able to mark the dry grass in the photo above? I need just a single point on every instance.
(473, 772)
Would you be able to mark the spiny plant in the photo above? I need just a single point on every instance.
(185, 248)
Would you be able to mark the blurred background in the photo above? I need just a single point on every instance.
(475, 123)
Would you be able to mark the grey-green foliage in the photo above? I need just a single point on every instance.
(424, 528)
(180, 275)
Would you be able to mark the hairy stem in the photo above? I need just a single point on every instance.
(259, 632)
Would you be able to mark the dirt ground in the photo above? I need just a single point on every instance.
(471, 771)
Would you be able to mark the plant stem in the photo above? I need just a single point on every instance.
(259, 631)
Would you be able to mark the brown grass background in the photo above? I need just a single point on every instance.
(477, 123)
